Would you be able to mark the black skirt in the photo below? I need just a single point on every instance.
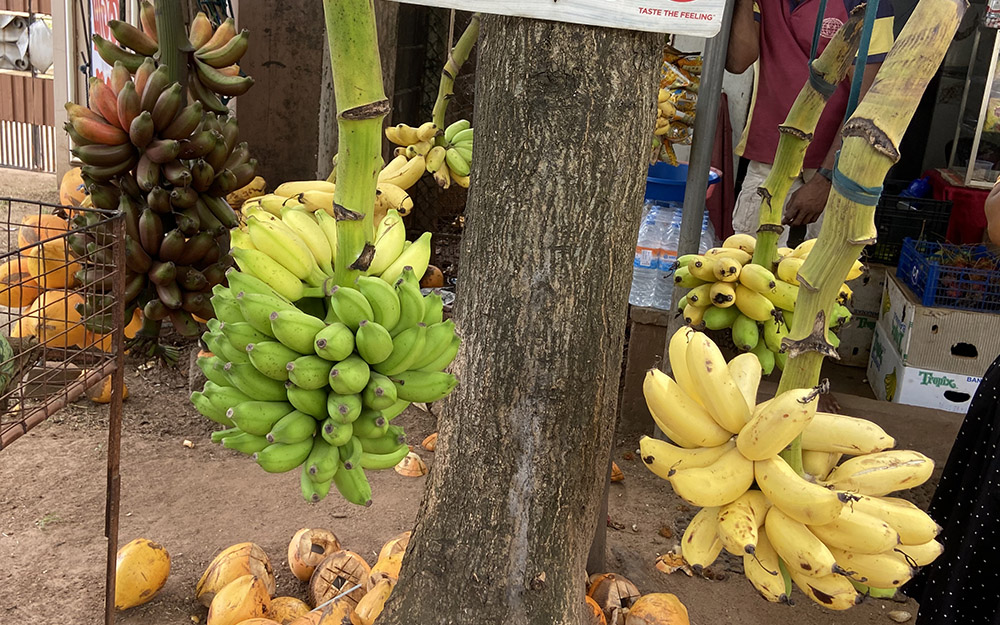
(963, 584)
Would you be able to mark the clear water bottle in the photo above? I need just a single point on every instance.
(671, 239)
(707, 235)
(648, 250)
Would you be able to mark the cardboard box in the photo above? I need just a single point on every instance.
(868, 290)
(938, 339)
(856, 341)
(894, 381)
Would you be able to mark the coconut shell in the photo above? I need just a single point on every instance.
(612, 591)
(241, 599)
(234, 562)
(101, 392)
(340, 571)
(595, 615)
(430, 443)
(661, 608)
(433, 278)
(308, 548)
(141, 570)
(616, 473)
(336, 613)
(411, 466)
(396, 544)
(286, 609)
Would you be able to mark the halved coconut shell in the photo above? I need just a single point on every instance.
(339, 572)
(232, 563)
(395, 545)
(286, 609)
(334, 613)
(430, 443)
(661, 608)
(595, 615)
(411, 466)
(308, 548)
(612, 591)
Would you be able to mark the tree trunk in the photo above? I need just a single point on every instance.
(563, 135)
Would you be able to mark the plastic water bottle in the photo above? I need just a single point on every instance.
(648, 250)
(671, 239)
(707, 235)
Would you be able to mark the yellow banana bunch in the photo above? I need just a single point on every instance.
(446, 154)
(826, 530)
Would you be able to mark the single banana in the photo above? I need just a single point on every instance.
(677, 355)
(700, 545)
(834, 592)
(914, 526)
(417, 256)
(275, 275)
(282, 457)
(920, 555)
(715, 384)
(746, 372)
(383, 300)
(407, 175)
(674, 410)
(278, 241)
(703, 268)
(754, 305)
(716, 318)
(309, 372)
(776, 425)
(804, 501)
(803, 249)
(846, 435)
(739, 521)
(857, 531)
(818, 464)
(798, 547)
(746, 333)
(662, 458)
(390, 237)
(307, 227)
(727, 269)
(788, 269)
(294, 188)
(882, 472)
(296, 329)
(881, 570)
(745, 242)
(392, 197)
(722, 294)
(762, 568)
(717, 484)
(757, 278)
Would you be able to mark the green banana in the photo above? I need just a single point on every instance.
(411, 303)
(254, 383)
(313, 492)
(282, 457)
(390, 238)
(383, 301)
(219, 345)
(219, 435)
(455, 128)
(385, 444)
(204, 405)
(245, 443)
(350, 306)
(395, 409)
(720, 318)
(225, 306)
(350, 453)
(407, 347)
(294, 427)
(240, 281)
(343, 408)
(433, 309)
(261, 266)
(271, 358)
(444, 358)
(417, 256)
(349, 376)
(745, 333)
(370, 424)
(374, 342)
(258, 417)
(336, 434)
(379, 393)
(423, 386)
(353, 485)
(224, 397)
(439, 340)
(241, 334)
(257, 308)
(335, 342)
(296, 330)
(323, 461)
(774, 331)
(374, 462)
(765, 356)
(309, 372)
(213, 369)
(312, 402)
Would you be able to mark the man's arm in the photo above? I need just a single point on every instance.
(807, 203)
(744, 38)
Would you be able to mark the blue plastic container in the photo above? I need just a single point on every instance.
(930, 270)
(666, 183)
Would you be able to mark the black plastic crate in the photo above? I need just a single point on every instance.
(898, 218)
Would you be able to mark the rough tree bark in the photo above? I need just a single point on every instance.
(563, 116)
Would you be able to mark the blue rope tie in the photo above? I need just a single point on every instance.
(850, 189)
(817, 30)
(861, 62)
(820, 84)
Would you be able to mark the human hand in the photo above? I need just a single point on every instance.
(806, 204)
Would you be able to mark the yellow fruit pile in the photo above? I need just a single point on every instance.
(680, 76)
(728, 291)
(614, 600)
(834, 530)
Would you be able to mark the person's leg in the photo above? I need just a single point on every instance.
(747, 208)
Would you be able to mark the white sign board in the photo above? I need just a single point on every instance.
(699, 18)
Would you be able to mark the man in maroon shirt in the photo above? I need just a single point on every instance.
(777, 36)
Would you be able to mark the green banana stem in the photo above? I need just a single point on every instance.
(797, 132)
(457, 57)
(173, 42)
(361, 107)
(871, 139)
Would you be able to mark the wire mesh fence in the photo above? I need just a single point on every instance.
(62, 278)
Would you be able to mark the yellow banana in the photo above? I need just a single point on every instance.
(784, 251)
(762, 569)
(328, 224)
(700, 295)
(674, 410)
(818, 464)
(788, 269)
(727, 269)
(443, 176)
(305, 225)
(677, 354)
(426, 131)
(834, 592)
(745, 242)
(921, 555)
(753, 304)
(462, 181)
(392, 167)
(389, 240)
(857, 531)
(746, 372)
(434, 159)
(722, 294)
(278, 241)
(391, 196)
(407, 175)
(800, 549)
(782, 295)
(882, 473)
(405, 135)
(843, 434)
(775, 426)
(739, 520)
(420, 148)
(662, 458)
(846, 294)
(717, 484)
(291, 189)
(703, 268)
(857, 270)
(317, 201)
(736, 254)
(757, 278)
(914, 526)
(693, 315)
(700, 545)
(715, 384)
(804, 501)
(803, 249)
(881, 570)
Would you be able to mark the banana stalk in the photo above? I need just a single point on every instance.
(173, 42)
(796, 133)
(361, 107)
(457, 57)
(870, 148)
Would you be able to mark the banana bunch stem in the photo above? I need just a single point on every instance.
(870, 148)
(361, 107)
(173, 42)
(796, 133)
(457, 57)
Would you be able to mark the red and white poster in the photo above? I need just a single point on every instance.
(101, 12)
(699, 18)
